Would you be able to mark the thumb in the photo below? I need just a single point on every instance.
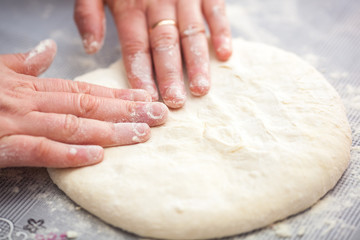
(35, 61)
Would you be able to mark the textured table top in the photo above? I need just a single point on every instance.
(324, 33)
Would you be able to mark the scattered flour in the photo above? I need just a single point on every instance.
(330, 224)
(71, 235)
(337, 75)
(301, 231)
(282, 230)
(351, 98)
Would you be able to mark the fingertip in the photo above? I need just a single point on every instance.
(141, 132)
(33, 62)
(155, 113)
(43, 46)
(174, 97)
(223, 47)
(199, 86)
(38, 59)
(95, 154)
(84, 155)
(51, 44)
(130, 133)
(215, 15)
(91, 44)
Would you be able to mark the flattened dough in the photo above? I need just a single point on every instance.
(268, 141)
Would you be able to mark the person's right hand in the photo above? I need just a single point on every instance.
(47, 122)
(160, 35)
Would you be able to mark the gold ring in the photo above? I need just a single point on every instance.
(163, 22)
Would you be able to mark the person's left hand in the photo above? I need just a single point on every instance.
(153, 32)
(53, 122)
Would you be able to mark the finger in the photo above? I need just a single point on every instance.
(34, 62)
(99, 108)
(70, 129)
(164, 41)
(194, 45)
(29, 151)
(60, 85)
(214, 11)
(132, 30)
(90, 20)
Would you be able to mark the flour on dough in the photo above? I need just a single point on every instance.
(268, 141)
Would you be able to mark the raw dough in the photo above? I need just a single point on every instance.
(268, 141)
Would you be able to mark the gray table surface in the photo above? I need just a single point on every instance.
(324, 33)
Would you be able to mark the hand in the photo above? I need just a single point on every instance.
(140, 28)
(62, 123)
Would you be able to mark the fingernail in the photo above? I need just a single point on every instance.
(141, 131)
(174, 97)
(200, 85)
(95, 153)
(127, 133)
(157, 111)
(90, 44)
(86, 155)
(154, 113)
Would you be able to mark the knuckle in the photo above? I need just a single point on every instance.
(123, 94)
(87, 104)
(20, 84)
(195, 26)
(25, 85)
(7, 126)
(71, 126)
(192, 29)
(172, 73)
(128, 8)
(130, 110)
(135, 46)
(6, 105)
(17, 97)
(164, 41)
(80, 87)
